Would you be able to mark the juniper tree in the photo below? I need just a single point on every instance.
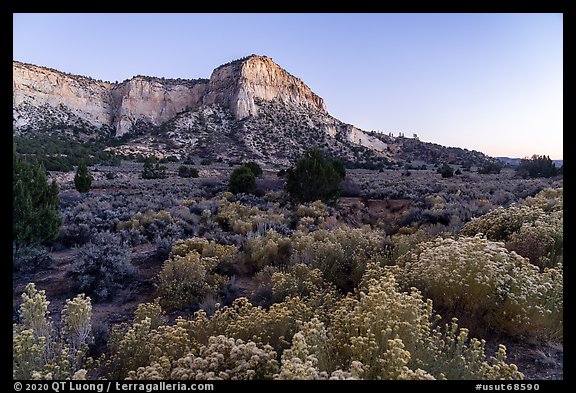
(82, 179)
(315, 178)
(35, 217)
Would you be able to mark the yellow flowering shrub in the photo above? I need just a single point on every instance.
(299, 280)
(272, 249)
(405, 241)
(244, 219)
(341, 254)
(141, 220)
(226, 254)
(150, 310)
(274, 326)
(310, 214)
(549, 200)
(542, 242)
(379, 332)
(485, 281)
(392, 334)
(501, 223)
(39, 350)
(315, 210)
(185, 280)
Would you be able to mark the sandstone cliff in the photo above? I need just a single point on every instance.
(238, 84)
(148, 100)
(152, 100)
(38, 86)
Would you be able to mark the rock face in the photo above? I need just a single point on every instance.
(238, 84)
(37, 86)
(147, 100)
(152, 100)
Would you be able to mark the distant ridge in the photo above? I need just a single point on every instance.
(516, 161)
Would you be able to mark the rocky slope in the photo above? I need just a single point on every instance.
(250, 107)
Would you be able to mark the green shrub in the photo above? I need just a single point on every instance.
(490, 168)
(255, 168)
(339, 168)
(537, 166)
(153, 170)
(446, 171)
(242, 180)
(185, 171)
(82, 179)
(35, 203)
(314, 178)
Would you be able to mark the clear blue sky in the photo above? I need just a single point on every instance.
(488, 82)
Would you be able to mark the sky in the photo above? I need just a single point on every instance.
(486, 82)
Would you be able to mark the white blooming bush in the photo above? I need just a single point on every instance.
(533, 229)
(486, 282)
(227, 358)
(501, 223)
(137, 346)
(39, 350)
